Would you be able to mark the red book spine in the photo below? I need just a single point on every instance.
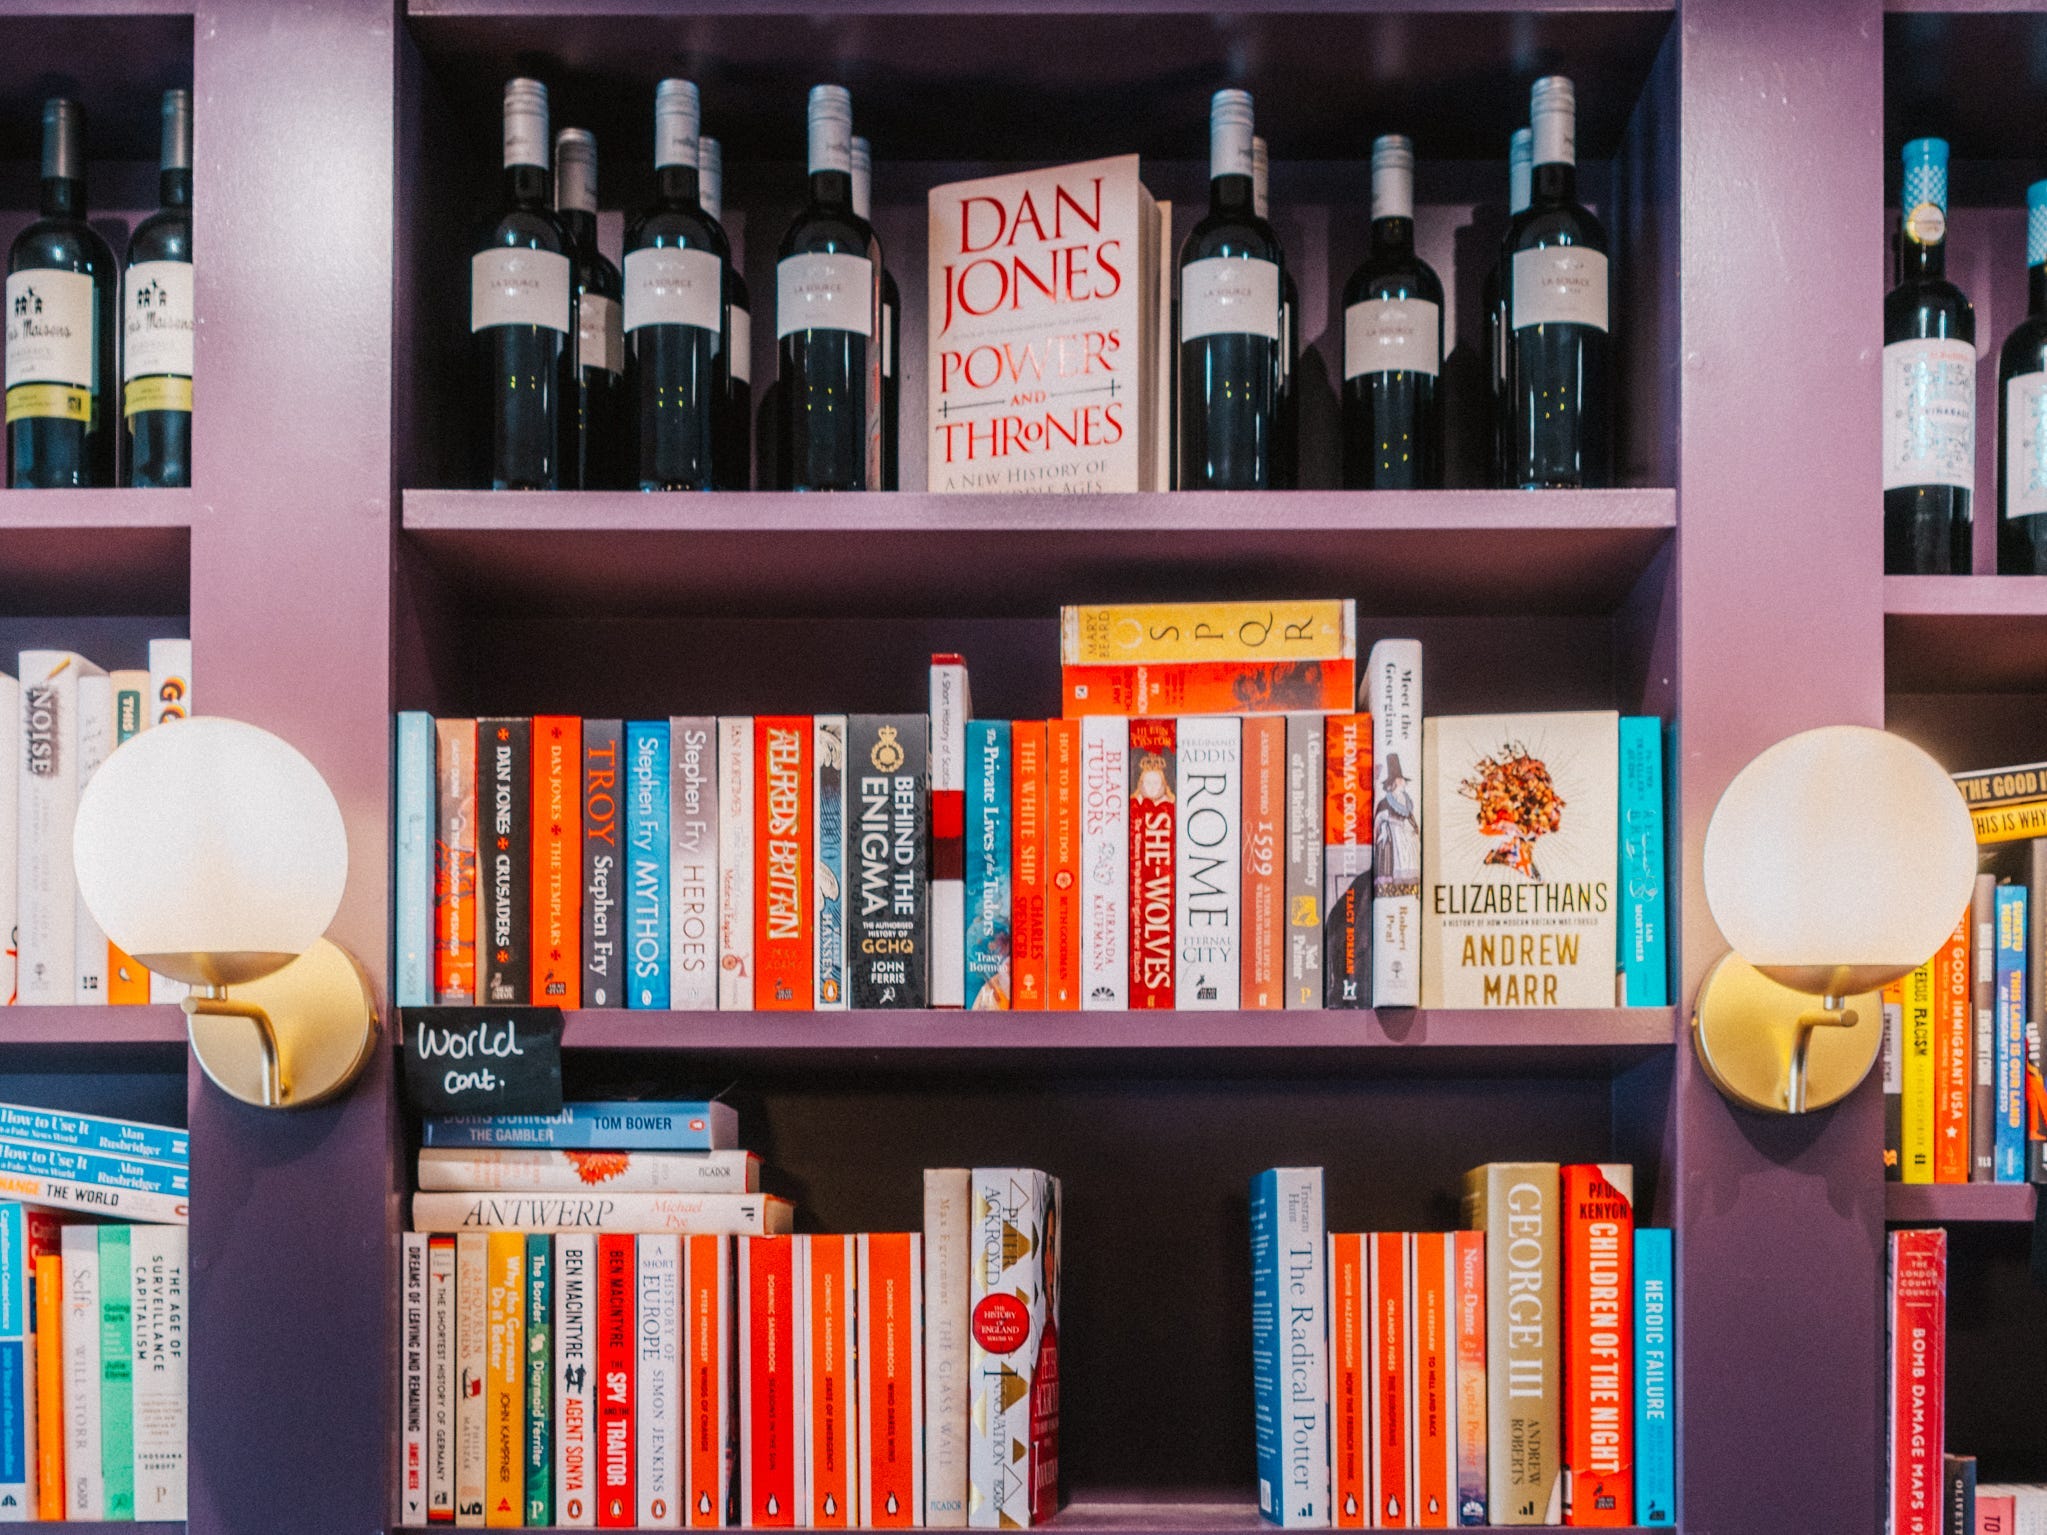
(1391, 1376)
(617, 1504)
(557, 860)
(1435, 1389)
(1264, 882)
(1599, 1344)
(1346, 860)
(1153, 755)
(1918, 1374)
(769, 1423)
(1952, 1028)
(1210, 687)
(1062, 865)
(1028, 969)
(1350, 1415)
(785, 856)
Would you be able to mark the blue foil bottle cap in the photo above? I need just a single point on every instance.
(2036, 223)
(1924, 198)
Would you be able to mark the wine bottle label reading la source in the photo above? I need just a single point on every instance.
(49, 345)
(1560, 285)
(156, 327)
(515, 286)
(673, 287)
(2025, 445)
(1229, 296)
(1929, 414)
(601, 336)
(1392, 335)
(824, 292)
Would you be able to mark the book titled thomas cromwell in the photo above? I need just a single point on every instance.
(1519, 852)
(1043, 327)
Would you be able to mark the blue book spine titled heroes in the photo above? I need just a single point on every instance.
(648, 1126)
(988, 854)
(1289, 1345)
(84, 1132)
(1655, 1402)
(646, 819)
(24, 1160)
(1645, 964)
(412, 914)
(2009, 1143)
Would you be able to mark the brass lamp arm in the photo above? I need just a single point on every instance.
(214, 1002)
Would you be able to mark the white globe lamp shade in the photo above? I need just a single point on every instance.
(210, 850)
(1839, 860)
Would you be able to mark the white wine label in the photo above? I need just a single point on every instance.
(600, 339)
(511, 285)
(156, 322)
(2025, 445)
(1560, 285)
(1392, 335)
(888, 341)
(1286, 341)
(673, 287)
(49, 328)
(742, 346)
(1229, 296)
(817, 292)
(1929, 414)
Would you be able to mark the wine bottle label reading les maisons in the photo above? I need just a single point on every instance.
(1229, 296)
(824, 292)
(156, 337)
(49, 345)
(510, 285)
(2025, 445)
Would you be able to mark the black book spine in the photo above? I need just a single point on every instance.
(504, 773)
(603, 962)
(1958, 1505)
(888, 857)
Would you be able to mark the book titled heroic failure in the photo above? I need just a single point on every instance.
(888, 853)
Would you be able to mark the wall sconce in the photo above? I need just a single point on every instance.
(1837, 861)
(213, 852)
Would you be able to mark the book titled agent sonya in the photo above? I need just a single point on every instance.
(1519, 847)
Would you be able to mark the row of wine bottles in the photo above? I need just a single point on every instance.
(65, 342)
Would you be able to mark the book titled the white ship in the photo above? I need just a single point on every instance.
(612, 1172)
(750, 1215)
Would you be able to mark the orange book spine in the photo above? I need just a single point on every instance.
(1392, 1254)
(1599, 1343)
(1173, 689)
(1468, 1248)
(771, 1445)
(1350, 1413)
(784, 858)
(1264, 882)
(1028, 971)
(1951, 1039)
(455, 863)
(891, 1304)
(1062, 865)
(834, 1493)
(49, 1386)
(707, 1371)
(1435, 1367)
(557, 861)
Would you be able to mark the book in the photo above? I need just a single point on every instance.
(49, 1386)
(128, 980)
(1208, 905)
(539, 1372)
(893, 1425)
(95, 1199)
(1916, 1379)
(1350, 1381)
(1064, 981)
(117, 1372)
(1891, 1061)
(17, 1366)
(2036, 1001)
(85, 1487)
(1393, 694)
(548, 1171)
(1953, 1036)
(1983, 1033)
(693, 864)
(784, 857)
(95, 743)
(1121, 634)
(831, 1427)
(412, 872)
(828, 921)
(1515, 1205)
(708, 1377)
(1598, 1317)
(603, 865)
(1262, 881)
(1030, 974)
(1104, 863)
(2007, 804)
(412, 1367)
(1289, 1346)
(657, 1381)
(170, 695)
(1013, 1339)
(684, 1213)
(735, 864)
(127, 1138)
(888, 860)
(633, 1126)
(1958, 1492)
(770, 1448)
(504, 915)
(11, 772)
(617, 1355)
(160, 1326)
(32, 1160)
(441, 1368)
(472, 1337)
(646, 895)
(948, 1222)
(1305, 801)
(1390, 1350)
(1996, 1512)
(1520, 840)
(1346, 860)
(575, 1379)
(504, 1400)
(986, 959)
(1434, 1432)
(1916, 1075)
(1645, 962)
(557, 874)
(1154, 842)
(951, 705)
(1469, 1256)
(455, 869)
(2008, 1135)
(1171, 690)
(46, 800)
(1655, 1404)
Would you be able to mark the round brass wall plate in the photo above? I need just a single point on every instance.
(325, 1019)
(1745, 1026)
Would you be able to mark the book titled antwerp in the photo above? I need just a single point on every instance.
(1598, 1421)
(557, 879)
(1917, 1379)
(888, 855)
(1208, 658)
(734, 1214)
(1043, 326)
(1013, 1338)
(784, 852)
(1520, 842)
(1515, 1205)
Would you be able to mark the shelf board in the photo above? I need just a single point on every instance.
(892, 554)
(1965, 634)
(1917, 1204)
(95, 551)
(92, 1039)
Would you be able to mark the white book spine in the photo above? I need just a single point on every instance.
(948, 1216)
(828, 923)
(46, 889)
(412, 1377)
(10, 794)
(682, 1214)
(1208, 864)
(735, 864)
(159, 1322)
(1105, 863)
(440, 1366)
(693, 864)
(537, 1171)
(657, 1394)
(170, 698)
(950, 708)
(93, 1199)
(575, 1271)
(95, 742)
(472, 1338)
(85, 1487)
(1393, 691)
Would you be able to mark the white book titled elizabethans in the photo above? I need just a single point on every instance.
(1393, 693)
(46, 899)
(1208, 863)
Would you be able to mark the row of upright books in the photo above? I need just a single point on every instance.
(60, 718)
(1208, 825)
(1515, 1372)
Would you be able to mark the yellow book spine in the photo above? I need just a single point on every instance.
(1162, 633)
(505, 1383)
(49, 1386)
(1916, 1078)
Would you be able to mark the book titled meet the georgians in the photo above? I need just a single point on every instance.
(1520, 841)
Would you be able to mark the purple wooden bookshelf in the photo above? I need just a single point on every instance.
(1946, 1204)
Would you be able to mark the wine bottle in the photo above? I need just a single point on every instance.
(1492, 311)
(2022, 424)
(1392, 343)
(733, 453)
(156, 318)
(1227, 291)
(60, 326)
(891, 318)
(1929, 385)
(596, 458)
(1554, 270)
(1286, 427)
(828, 320)
(519, 302)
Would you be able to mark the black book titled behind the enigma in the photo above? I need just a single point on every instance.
(504, 861)
(888, 852)
(603, 953)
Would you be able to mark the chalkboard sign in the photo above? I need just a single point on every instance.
(483, 1060)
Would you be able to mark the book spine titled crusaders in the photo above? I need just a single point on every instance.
(1917, 1379)
(1515, 1205)
(503, 786)
(1599, 1250)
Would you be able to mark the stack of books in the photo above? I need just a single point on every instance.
(94, 1317)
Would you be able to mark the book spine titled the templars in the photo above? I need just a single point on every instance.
(950, 708)
(603, 864)
(828, 914)
(888, 853)
(1347, 860)
(735, 864)
(1393, 685)
(1154, 838)
(784, 843)
(693, 864)
(1104, 863)
(1290, 1332)
(1305, 800)
(1263, 982)
(1514, 1204)
(1598, 1423)
(504, 913)
(1917, 1379)
(948, 1222)
(1208, 864)
(557, 860)
(455, 863)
